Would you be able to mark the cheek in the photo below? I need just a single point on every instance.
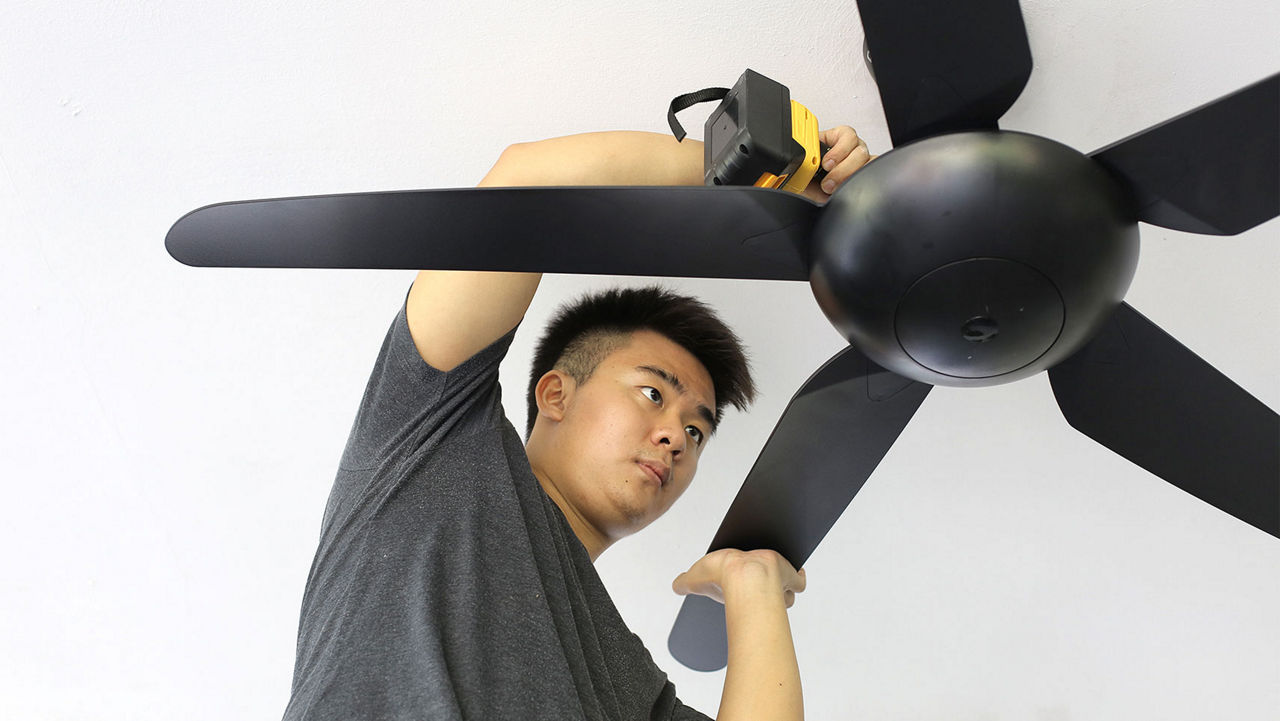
(618, 420)
(590, 414)
(674, 494)
(688, 473)
(601, 427)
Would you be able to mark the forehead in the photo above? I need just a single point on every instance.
(654, 350)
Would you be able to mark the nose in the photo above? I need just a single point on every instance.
(670, 434)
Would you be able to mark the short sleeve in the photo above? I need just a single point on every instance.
(407, 402)
(409, 408)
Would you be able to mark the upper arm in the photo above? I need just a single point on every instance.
(454, 314)
(615, 157)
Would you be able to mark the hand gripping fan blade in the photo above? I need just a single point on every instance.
(1144, 395)
(831, 436)
(945, 66)
(701, 232)
(1213, 170)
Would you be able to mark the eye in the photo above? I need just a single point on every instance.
(652, 394)
(696, 433)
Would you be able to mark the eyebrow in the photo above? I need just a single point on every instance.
(674, 381)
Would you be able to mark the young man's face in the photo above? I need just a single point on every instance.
(632, 434)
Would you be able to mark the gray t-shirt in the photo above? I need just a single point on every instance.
(447, 584)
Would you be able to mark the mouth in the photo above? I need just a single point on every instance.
(656, 471)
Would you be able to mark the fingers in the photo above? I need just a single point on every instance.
(847, 153)
(702, 578)
(840, 141)
(709, 575)
(794, 583)
(796, 586)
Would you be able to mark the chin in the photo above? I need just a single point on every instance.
(634, 520)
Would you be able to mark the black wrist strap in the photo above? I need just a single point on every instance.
(690, 99)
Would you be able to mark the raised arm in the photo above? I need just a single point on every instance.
(454, 314)
(757, 587)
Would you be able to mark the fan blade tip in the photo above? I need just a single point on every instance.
(691, 659)
(693, 662)
(178, 244)
(174, 248)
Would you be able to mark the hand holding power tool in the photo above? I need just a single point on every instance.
(759, 136)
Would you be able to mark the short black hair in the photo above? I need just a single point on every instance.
(583, 332)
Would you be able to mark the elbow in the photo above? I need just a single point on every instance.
(510, 168)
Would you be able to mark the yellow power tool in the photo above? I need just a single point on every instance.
(757, 135)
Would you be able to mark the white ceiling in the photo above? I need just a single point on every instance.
(169, 434)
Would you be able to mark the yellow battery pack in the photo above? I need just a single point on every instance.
(757, 135)
(804, 128)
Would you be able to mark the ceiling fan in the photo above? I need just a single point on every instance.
(965, 256)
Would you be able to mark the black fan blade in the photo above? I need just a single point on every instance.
(831, 436)
(944, 66)
(701, 232)
(1213, 170)
(1141, 393)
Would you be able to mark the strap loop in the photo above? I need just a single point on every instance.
(688, 100)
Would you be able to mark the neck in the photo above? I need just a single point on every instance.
(592, 539)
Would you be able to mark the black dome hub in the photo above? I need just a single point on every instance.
(974, 258)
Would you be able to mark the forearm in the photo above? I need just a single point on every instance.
(453, 314)
(763, 676)
(620, 157)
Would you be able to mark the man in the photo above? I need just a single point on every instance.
(454, 575)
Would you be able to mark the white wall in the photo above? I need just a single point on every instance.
(169, 434)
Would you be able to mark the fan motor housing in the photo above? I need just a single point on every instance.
(974, 258)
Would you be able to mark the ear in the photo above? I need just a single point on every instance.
(553, 393)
